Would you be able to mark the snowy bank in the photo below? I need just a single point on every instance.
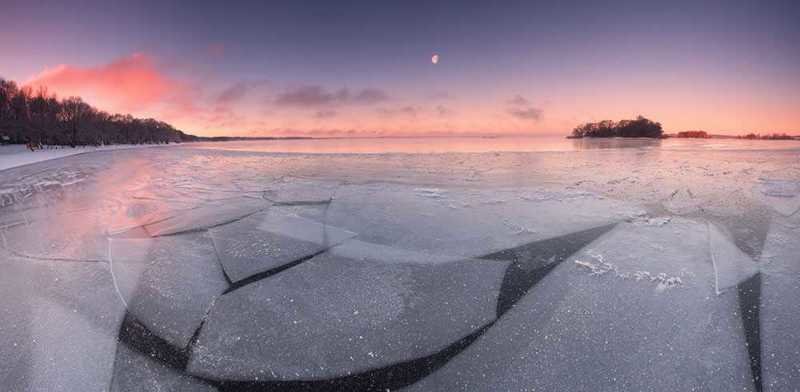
(18, 155)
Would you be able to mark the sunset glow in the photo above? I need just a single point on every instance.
(282, 69)
(417, 196)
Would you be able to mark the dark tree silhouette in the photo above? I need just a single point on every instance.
(41, 118)
(640, 127)
(693, 134)
(772, 136)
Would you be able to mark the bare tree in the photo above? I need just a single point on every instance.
(42, 118)
(73, 112)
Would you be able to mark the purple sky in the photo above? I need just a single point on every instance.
(364, 67)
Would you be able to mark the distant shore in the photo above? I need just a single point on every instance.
(245, 138)
(675, 136)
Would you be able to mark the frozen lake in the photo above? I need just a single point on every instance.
(467, 264)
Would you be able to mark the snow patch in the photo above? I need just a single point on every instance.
(431, 193)
(553, 195)
(646, 220)
(518, 229)
(600, 266)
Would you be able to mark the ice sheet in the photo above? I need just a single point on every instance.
(783, 195)
(60, 322)
(177, 279)
(290, 190)
(636, 310)
(578, 330)
(466, 222)
(271, 239)
(207, 216)
(76, 236)
(334, 316)
(780, 310)
(134, 371)
(731, 265)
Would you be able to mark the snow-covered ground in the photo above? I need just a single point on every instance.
(17, 154)
(202, 268)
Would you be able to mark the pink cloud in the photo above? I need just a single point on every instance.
(128, 85)
(316, 96)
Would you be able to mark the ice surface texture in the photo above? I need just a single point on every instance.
(349, 315)
(179, 279)
(270, 240)
(780, 309)
(206, 216)
(59, 325)
(197, 269)
(579, 330)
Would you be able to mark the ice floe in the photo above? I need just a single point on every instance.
(579, 331)
(347, 315)
(731, 265)
(60, 322)
(780, 309)
(176, 280)
(269, 240)
(783, 195)
(207, 216)
(473, 228)
(134, 371)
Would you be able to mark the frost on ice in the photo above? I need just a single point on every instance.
(592, 325)
(600, 267)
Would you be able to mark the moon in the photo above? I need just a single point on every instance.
(435, 58)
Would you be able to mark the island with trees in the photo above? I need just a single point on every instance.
(769, 136)
(748, 136)
(692, 135)
(640, 127)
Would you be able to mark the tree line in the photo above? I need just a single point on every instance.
(39, 118)
(692, 134)
(772, 136)
(640, 127)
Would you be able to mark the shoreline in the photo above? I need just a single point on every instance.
(16, 155)
(672, 136)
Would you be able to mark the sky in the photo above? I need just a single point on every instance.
(363, 68)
